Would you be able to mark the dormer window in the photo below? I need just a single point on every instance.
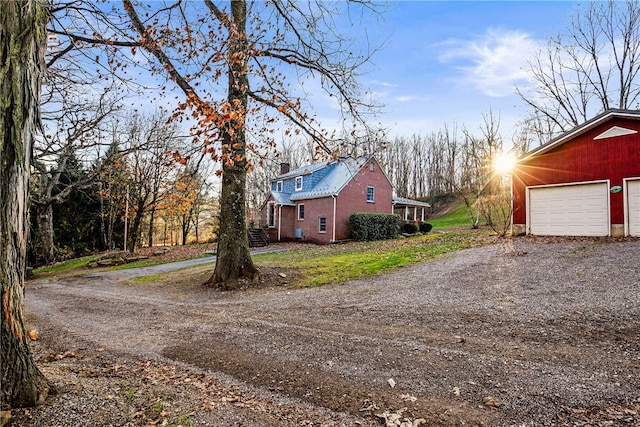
(279, 186)
(298, 182)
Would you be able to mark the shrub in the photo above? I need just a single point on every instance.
(425, 227)
(410, 228)
(372, 226)
(497, 211)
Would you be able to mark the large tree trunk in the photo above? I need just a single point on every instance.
(22, 43)
(234, 260)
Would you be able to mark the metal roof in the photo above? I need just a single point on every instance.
(282, 198)
(410, 202)
(335, 180)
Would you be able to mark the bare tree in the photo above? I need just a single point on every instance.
(233, 65)
(591, 68)
(149, 141)
(22, 44)
(294, 152)
(72, 120)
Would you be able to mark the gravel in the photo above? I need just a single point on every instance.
(523, 332)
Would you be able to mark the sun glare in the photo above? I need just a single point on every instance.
(504, 162)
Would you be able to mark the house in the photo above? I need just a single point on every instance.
(586, 182)
(313, 203)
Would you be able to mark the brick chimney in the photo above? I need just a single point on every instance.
(284, 168)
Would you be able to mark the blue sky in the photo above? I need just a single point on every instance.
(450, 62)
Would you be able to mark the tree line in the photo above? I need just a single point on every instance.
(130, 184)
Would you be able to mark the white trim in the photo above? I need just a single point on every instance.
(373, 194)
(625, 196)
(579, 130)
(333, 225)
(325, 224)
(279, 186)
(295, 183)
(565, 184)
(271, 206)
(614, 131)
(279, 221)
(300, 207)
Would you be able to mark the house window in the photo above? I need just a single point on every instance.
(301, 211)
(371, 194)
(298, 183)
(271, 215)
(279, 186)
(322, 224)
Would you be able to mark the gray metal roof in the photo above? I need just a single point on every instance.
(335, 180)
(282, 198)
(410, 202)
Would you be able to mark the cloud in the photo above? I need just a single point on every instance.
(494, 63)
(404, 98)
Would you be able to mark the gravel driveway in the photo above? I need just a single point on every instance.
(524, 332)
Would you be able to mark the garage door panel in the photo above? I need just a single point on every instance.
(633, 206)
(570, 210)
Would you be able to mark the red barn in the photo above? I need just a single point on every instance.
(313, 203)
(584, 183)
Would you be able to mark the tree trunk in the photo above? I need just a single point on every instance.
(152, 218)
(134, 231)
(22, 44)
(44, 217)
(234, 260)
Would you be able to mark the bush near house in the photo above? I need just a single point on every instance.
(410, 228)
(425, 227)
(374, 226)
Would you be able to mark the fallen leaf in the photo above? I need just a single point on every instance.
(392, 382)
(408, 398)
(492, 402)
(33, 334)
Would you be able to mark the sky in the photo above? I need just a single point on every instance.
(447, 62)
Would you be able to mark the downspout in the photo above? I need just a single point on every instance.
(333, 234)
(279, 220)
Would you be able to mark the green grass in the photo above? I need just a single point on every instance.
(76, 266)
(65, 266)
(459, 217)
(339, 263)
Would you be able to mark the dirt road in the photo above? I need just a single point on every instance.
(522, 332)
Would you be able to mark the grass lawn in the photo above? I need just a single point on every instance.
(458, 217)
(338, 263)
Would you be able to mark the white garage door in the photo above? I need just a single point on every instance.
(633, 206)
(569, 210)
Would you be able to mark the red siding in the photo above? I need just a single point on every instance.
(313, 210)
(583, 159)
(353, 198)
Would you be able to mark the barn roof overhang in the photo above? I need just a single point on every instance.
(579, 130)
